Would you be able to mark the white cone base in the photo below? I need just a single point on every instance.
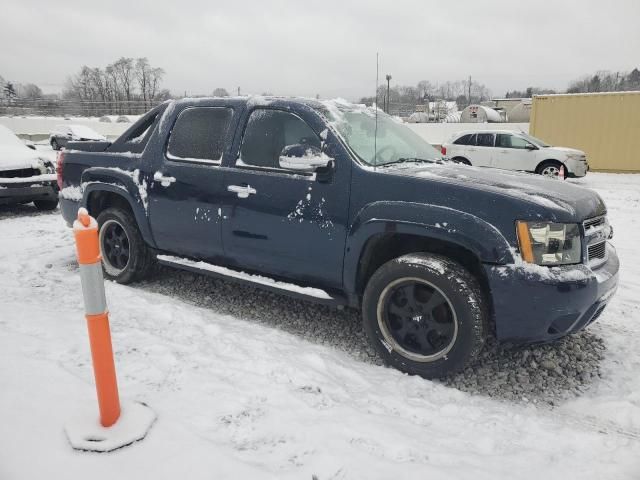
(85, 432)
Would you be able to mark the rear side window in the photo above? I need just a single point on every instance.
(200, 134)
(465, 140)
(485, 140)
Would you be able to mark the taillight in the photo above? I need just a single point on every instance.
(59, 167)
(443, 150)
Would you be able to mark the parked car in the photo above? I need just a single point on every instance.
(515, 151)
(25, 176)
(64, 134)
(343, 205)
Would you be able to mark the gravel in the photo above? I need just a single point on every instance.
(541, 374)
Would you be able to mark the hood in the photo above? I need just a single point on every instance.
(566, 150)
(565, 200)
(16, 157)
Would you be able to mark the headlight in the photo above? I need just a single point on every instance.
(546, 243)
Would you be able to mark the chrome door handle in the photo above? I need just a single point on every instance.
(164, 181)
(243, 191)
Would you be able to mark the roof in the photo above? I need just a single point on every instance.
(486, 130)
(252, 100)
(587, 94)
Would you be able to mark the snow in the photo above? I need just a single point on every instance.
(237, 397)
(72, 193)
(85, 432)
(312, 292)
(47, 177)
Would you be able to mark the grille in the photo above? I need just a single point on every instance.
(20, 173)
(593, 223)
(597, 251)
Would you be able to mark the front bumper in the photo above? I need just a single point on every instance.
(577, 169)
(536, 305)
(27, 192)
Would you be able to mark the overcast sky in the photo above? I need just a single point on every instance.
(325, 47)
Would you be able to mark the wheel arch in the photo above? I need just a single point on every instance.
(98, 198)
(549, 160)
(458, 235)
(383, 247)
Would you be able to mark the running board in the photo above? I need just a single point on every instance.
(290, 289)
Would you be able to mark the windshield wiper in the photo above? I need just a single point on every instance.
(409, 160)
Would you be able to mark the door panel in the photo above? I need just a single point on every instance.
(185, 195)
(184, 214)
(481, 154)
(280, 222)
(511, 154)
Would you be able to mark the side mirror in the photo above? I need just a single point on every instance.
(303, 158)
(530, 146)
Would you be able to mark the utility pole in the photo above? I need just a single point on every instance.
(388, 98)
(469, 97)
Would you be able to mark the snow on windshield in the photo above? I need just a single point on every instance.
(8, 138)
(378, 141)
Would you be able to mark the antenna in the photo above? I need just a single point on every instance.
(375, 135)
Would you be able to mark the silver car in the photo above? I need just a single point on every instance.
(64, 134)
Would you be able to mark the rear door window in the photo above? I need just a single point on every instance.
(485, 139)
(200, 134)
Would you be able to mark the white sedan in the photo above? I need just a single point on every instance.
(511, 150)
(25, 175)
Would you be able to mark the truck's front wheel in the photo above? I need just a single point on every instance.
(125, 256)
(424, 314)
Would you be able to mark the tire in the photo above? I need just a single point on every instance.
(46, 205)
(461, 160)
(549, 168)
(430, 342)
(54, 144)
(125, 256)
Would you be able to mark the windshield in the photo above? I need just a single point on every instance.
(536, 141)
(395, 143)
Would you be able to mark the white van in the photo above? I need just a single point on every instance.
(511, 150)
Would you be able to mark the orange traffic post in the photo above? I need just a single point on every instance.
(114, 431)
(85, 230)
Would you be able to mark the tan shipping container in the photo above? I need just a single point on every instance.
(606, 126)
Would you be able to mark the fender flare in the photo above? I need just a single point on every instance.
(435, 222)
(125, 184)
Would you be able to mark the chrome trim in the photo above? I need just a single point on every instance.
(596, 234)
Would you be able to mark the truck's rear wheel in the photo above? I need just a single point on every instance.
(125, 256)
(425, 315)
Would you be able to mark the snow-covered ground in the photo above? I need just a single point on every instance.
(248, 384)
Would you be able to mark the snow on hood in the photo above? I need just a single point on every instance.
(14, 153)
(554, 194)
(566, 150)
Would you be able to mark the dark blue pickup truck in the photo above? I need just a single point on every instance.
(341, 204)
